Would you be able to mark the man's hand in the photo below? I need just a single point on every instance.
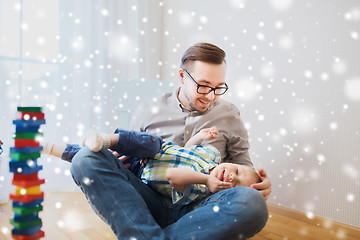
(264, 186)
(121, 158)
(215, 185)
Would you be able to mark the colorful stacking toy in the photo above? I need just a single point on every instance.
(27, 198)
(1, 150)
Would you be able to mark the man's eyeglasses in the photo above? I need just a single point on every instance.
(203, 89)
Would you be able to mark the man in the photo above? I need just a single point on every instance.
(134, 210)
(196, 105)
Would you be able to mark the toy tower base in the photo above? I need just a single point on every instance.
(27, 198)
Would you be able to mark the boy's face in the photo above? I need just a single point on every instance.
(237, 175)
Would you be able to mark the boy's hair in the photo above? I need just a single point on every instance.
(205, 52)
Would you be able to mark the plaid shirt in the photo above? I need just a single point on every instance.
(199, 158)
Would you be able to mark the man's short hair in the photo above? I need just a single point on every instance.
(205, 52)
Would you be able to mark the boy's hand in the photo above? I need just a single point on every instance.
(209, 133)
(215, 185)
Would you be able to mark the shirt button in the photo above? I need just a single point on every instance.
(187, 132)
(153, 139)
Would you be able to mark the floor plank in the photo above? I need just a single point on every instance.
(68, 216)
(286, 223)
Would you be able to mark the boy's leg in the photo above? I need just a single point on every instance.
(118, 196)
(234, 213)
(137, 144)
(129, 143)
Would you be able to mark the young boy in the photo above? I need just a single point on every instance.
(185, 173)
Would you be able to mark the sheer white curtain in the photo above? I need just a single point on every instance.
(106, 45)
(83, 62)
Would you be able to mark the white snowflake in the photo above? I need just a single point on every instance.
(216, 208)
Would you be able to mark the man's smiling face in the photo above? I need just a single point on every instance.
(212, 75)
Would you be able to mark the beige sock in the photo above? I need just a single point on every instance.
(47, 146)
(95, 141)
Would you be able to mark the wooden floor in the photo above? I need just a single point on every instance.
(69, 216)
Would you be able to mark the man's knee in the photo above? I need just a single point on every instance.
(81, 166)
(241, 211)
(253, 199)
(241, 201)
(252, 208)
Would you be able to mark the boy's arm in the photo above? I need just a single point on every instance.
(194, 140)
(204, 134)
(179, 178)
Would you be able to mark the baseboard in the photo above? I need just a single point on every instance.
(4, 198)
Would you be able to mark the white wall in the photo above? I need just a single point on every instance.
(293, 71)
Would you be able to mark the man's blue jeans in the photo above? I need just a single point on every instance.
(135, 211)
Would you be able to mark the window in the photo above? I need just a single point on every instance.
(29, 48)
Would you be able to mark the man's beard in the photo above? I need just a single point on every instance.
(195, 108)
